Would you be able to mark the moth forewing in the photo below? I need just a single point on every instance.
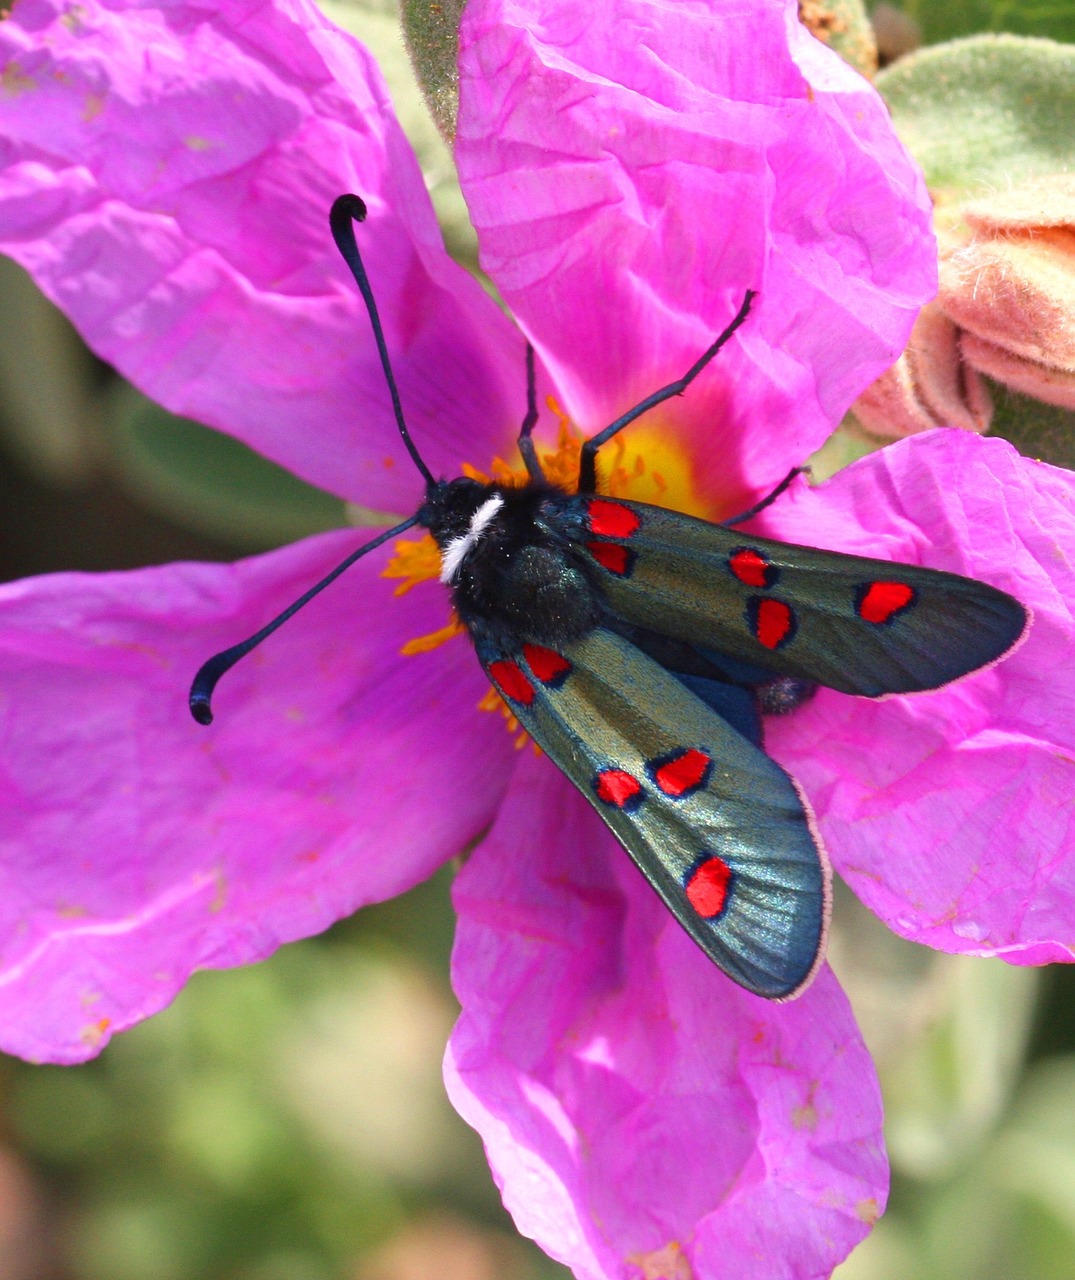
(854, 624)
(715, 825)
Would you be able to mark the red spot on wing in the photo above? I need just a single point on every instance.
(612, 519)
(509, 679)
(773, 621)
(683, 773)
(618, 787)
(751, 567)
(615, 559)
(707, 888)
(548, 665)
(881, 600)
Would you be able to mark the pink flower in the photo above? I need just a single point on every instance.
(166, 174)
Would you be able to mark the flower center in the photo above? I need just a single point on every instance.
(649, 467)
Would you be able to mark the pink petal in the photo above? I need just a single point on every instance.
(631, 178)
(166, 174)
(632, 1100)
(137, 846)
(949, 813)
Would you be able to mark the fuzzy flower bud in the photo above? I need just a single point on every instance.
(1011, 288)
(929, 386)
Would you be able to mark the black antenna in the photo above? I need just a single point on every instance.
(346, 211)
(201, 691)
(588, 456)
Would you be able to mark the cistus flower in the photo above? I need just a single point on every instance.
(166, 175)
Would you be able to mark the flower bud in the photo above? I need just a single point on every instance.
(1011, 288)
(930, 385)
(431, 33)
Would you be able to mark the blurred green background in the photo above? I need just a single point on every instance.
(287, 1121)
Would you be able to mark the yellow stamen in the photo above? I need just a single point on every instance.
(423, 644)
(492, 701)
(415, 560)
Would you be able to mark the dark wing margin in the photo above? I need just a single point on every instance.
(720, 830)
(861, 626)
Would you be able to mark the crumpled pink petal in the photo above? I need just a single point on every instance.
(631, 178)
(138, 846)
(166, 173)
(949, 813)
(638, 1109)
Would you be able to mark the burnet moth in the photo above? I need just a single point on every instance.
(640, 649)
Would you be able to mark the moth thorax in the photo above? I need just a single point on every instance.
(456, 549)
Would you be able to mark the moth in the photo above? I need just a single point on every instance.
(640, 649)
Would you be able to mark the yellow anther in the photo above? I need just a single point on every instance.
(492, 701)
(414, 560)
(423, 644)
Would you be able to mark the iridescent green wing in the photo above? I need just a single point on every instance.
(854, 624)
(720, 830)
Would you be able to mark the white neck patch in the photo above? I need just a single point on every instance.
(454, 553)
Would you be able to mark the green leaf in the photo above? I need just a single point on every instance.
(953, 18)
(210, 482)
(988, 111)
(47, 383)
(423, 81)
(849, 442)
(1042, 431)
(948, 1085)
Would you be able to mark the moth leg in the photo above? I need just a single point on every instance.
(768, 500)
(588, 459)
(525, 443)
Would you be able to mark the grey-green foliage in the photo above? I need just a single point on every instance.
(845, 26)
(1007, 1212)
(1044, 431)
(225, 1137)
(949, 19)
(987, 111)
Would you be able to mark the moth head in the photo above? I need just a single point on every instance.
(460, 514)
(450, 507)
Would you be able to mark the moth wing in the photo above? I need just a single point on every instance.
(719, 829)
(855, 624)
